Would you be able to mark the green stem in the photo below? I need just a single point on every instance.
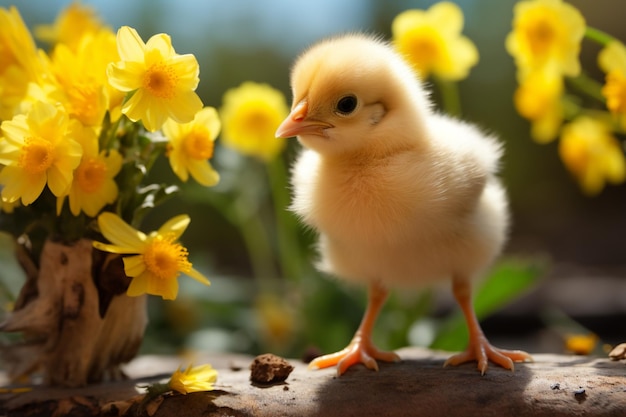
(598, 36)
(249, 224)
(256, 241)
(112, 134)
(450, 98)
(289, 254)
(154, 151)
(587, 85)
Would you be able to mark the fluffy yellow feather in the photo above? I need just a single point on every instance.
(400, 195)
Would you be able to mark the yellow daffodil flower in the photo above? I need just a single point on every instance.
(276, 319)
(250, 115)
(546, 33)
(581, 344)
(161, 81)
(612, 60)
(70, 26)
(19, 61)
(592, 154)
(538, 99)
(158, 259)
(94, 186)
(431, 41)
(17, 47)
(191, 146)
(37, 150)
(81, 80)
(193, 379)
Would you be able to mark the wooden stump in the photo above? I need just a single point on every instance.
(77, 323)
(554, 385)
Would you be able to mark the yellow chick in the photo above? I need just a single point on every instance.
(400, 195)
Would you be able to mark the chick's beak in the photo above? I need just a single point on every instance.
(297, 123)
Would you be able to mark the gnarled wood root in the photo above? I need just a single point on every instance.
(78, 326)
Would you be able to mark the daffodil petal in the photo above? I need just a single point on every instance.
(162, 43)
(16, 130)
(185, 104)
(188, 69)
(118, 232)
(135, 106)
(8, 156)
(613, 57)
(138, 286)
(447, 16)
(173, 130)
(166, 288)
(18, 185)
(130, 45)
(59, 180)
(193, 379)
(175, 226)
(178, 164)
(203, 173)
(125, 76)
(195, 274)
(105, 247)
(208, 117)
(134, 266)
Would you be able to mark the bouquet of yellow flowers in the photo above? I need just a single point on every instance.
(81, 129)
(558, 97)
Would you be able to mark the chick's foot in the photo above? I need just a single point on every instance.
(360, 350)
(481, 351)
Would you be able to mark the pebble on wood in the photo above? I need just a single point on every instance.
(269, 368)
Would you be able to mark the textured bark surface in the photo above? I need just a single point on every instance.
(77, 323)
(553, 385)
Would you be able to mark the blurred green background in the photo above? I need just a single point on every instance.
(567, 251)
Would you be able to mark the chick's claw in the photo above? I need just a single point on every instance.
(359, 351)
(483, 352)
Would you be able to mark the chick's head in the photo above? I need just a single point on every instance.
(345, 91)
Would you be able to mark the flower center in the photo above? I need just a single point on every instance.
(37, 155)
(541, 35)
(423, 46)
(165, 258)
(256, 120)
(160, 81)
(198, 144)
(90, 175)
(86, 103)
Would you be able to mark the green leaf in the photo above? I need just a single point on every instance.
(151, 196)
(509, 280)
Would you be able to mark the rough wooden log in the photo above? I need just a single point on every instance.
(554, 385)
(75, 331)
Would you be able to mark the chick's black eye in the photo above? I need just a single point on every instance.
(346, 105)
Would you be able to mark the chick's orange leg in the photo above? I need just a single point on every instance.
(479, 348)
(361, 349)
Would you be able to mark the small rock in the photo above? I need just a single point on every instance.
(269, 368)
(580, 395)
(554, 386)
(235, 366)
